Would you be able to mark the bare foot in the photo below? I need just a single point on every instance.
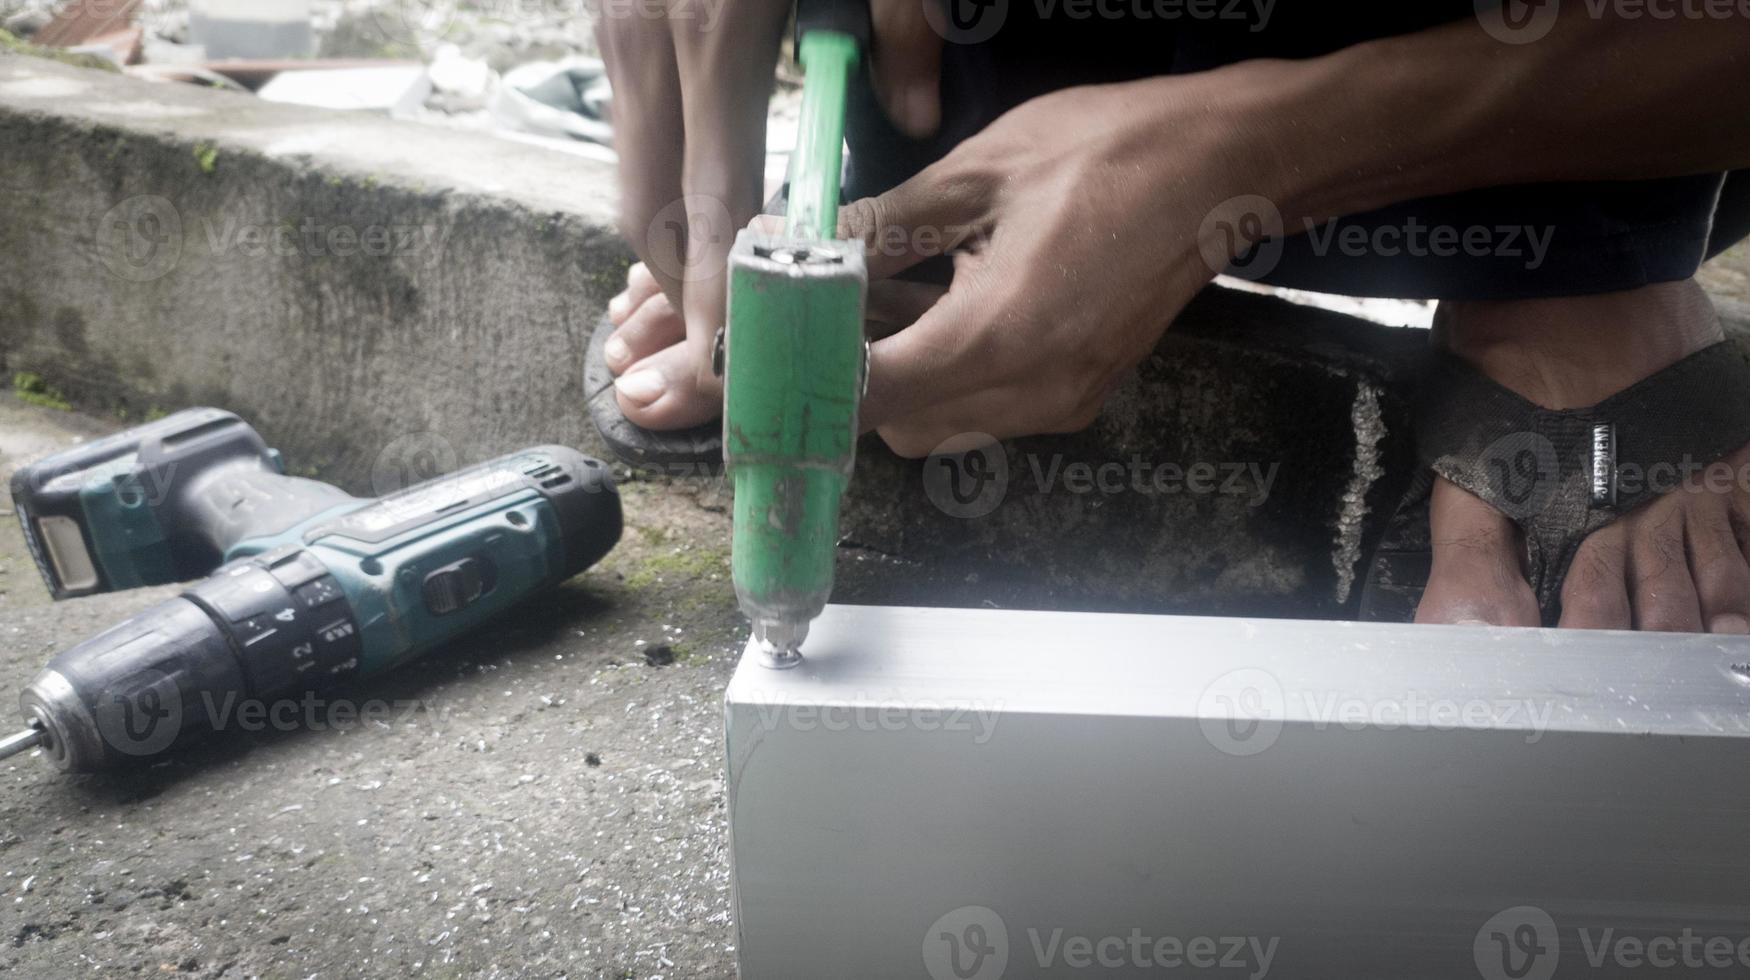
(1678, 563)
(656, 376)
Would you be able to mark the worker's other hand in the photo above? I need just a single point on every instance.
(1081, 223)
(692, 80)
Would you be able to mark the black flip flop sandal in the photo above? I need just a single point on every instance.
(1558, 475)
(697, 451)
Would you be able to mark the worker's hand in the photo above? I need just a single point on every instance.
(692, 79)
(1082, 223)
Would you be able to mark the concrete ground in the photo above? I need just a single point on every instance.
(545, 799)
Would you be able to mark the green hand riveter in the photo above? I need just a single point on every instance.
(795, 361)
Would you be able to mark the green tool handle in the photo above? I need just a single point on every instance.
(828, 57)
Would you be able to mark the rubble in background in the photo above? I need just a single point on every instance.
(525, 71)
(502, 34)
(360, 55)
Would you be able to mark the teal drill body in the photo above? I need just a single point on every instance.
(306, 586)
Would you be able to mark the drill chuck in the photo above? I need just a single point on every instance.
(133, 691)
(264, 629)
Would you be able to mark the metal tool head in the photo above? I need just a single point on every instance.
(778, 641)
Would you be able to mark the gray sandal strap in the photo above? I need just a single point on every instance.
(1561, 475)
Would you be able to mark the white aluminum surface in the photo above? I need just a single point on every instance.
(960, 794)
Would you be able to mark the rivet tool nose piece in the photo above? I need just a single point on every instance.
(779, 642)
(778, 658)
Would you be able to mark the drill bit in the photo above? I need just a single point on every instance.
(22, 742)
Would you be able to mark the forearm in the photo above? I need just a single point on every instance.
(1453, 109)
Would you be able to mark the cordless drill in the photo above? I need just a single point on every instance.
(309, 587)
(795, 359)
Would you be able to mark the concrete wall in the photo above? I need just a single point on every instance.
(343, 281)
(387, 300)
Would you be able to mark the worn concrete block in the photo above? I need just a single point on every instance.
(382, 299)
(1243, 469)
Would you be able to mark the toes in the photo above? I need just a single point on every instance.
(654, 326)
(640, 286)
(1677, 567)
(1477, 574)
(1595, 595)
(666, 391)
(1716, 560)
(1662, 588)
